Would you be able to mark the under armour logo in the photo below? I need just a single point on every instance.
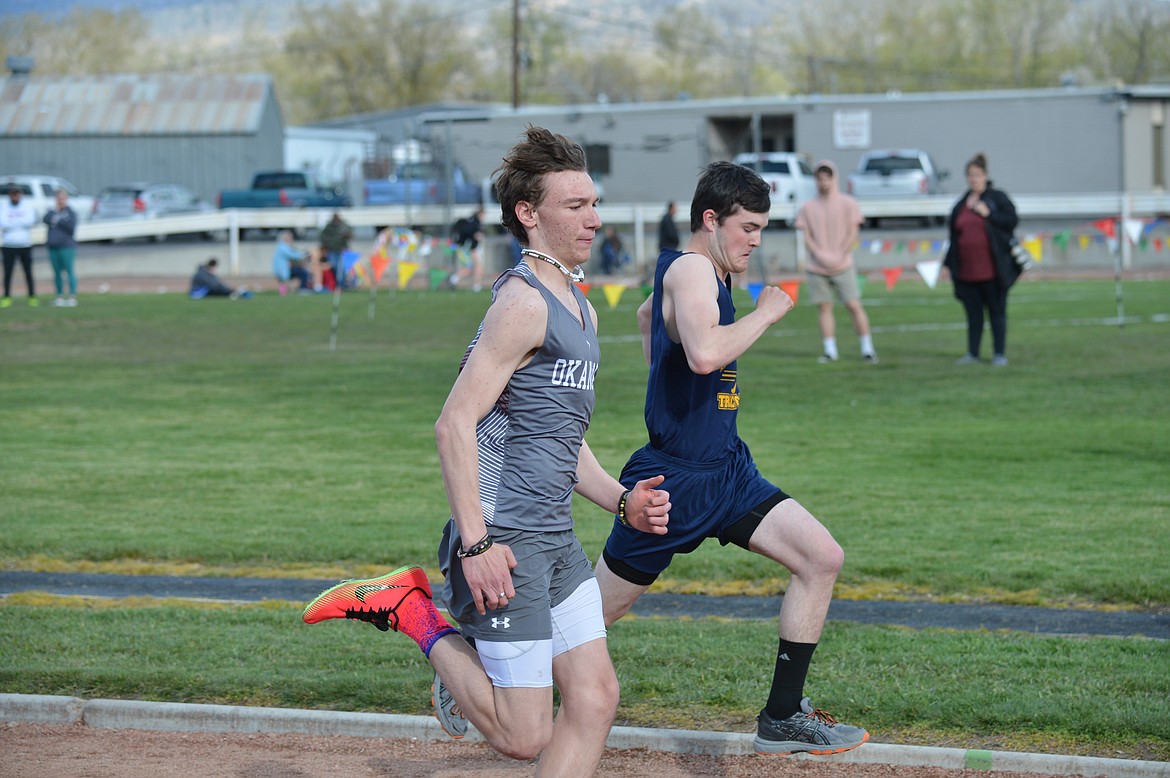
(497, 623)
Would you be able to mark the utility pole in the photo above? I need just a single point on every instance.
(515, 54)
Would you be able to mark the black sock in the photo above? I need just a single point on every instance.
(792, 661)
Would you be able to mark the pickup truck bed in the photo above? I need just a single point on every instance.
(283, 190)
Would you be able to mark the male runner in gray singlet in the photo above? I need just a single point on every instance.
(512, 450)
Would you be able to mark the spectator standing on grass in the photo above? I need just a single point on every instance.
(831, 222)
(980, 260)
(288, 262)
(692, 340)
(468, 238)
(61, 222)
(17, 218)
(512, 451)
(612, 254)
(335, 240)
(667, 229)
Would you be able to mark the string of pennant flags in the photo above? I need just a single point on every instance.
(411, 252)
(1138, 231)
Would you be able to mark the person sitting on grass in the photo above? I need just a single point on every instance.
(288, 262)
(207, 283)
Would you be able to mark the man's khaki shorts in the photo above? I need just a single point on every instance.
(821, 288)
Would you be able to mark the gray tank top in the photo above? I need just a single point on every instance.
(528, 443)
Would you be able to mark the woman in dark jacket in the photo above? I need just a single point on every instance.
(980, 259)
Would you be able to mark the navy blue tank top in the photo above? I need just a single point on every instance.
(690, 417)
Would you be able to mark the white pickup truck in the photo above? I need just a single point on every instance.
(895, 173)
(41, 191)
(789, 176)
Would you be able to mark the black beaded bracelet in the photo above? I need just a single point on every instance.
(475, 550)
(621, 511)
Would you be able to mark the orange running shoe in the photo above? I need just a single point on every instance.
(376, 600)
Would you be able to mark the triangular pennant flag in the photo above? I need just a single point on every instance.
(1035, 247)
(1157, 244)
(379, 263)
(613, 293)
(437, 276)
(892, 275)
(1133, 229)
(1083, 241)
(406, 271)
(1060, 240)
(754, 290)
(929, 271)
(875, 246)
(792, 289)
(348, 260)
(1106, 226)
(585, 286)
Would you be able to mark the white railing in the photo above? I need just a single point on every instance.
(642, 217)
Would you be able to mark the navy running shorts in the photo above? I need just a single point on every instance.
(708, 500)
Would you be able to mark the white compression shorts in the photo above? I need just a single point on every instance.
(528, 664)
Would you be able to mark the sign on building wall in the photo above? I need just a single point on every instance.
(851, 129)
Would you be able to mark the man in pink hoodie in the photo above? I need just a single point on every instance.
(831, 222)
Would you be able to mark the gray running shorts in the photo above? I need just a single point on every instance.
(549, 567)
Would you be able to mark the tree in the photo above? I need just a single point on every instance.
(86, 41)
(353, 58)
(1128, 40)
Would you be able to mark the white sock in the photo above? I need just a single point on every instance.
(866, 344)
(830, 346)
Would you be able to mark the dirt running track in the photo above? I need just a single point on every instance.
(78, 751)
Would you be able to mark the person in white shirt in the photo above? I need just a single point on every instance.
(16, 222)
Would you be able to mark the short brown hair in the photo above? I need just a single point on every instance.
(523, 169)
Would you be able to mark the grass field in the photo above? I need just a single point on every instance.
(151, 433)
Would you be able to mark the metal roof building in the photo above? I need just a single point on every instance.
(1037, 140)
(207, 132)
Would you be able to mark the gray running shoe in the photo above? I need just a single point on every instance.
(811, 731)
(450, 718)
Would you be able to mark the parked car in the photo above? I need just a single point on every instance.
(41, 191)
(284, 189)
(788, 174)
(148, 201)
(422, 184)
(895, 173)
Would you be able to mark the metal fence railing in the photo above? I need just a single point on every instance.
(640, 219)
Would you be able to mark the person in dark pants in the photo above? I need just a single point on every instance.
(17, 218)
(667, 229)
(980, 260)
